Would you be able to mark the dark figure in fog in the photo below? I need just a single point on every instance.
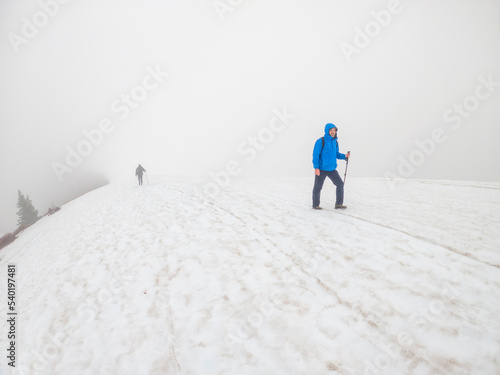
(139, 172)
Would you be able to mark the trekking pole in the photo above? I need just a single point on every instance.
(147, 179)
(346, 164)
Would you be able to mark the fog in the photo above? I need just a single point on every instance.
(88, 90)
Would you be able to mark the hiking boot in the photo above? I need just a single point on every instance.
(317, 208)
(340, 207)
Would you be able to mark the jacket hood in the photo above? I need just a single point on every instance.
(328, 127)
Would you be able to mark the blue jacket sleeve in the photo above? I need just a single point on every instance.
(316, 152)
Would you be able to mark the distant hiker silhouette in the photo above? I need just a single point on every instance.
(139, 172)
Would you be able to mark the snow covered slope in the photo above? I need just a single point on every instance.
(161, 280)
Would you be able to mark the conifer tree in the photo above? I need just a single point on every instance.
(27, 214)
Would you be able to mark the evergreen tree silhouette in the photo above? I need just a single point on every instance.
(27, 214)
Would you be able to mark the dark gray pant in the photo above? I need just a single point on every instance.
(318, 185)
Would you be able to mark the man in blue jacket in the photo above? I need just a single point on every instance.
(325, 155)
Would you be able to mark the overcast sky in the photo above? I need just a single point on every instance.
(89, 89)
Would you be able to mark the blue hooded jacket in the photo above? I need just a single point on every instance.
(326, 160)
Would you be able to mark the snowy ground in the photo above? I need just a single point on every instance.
(156, 280)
